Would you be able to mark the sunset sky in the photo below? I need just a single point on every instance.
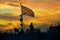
(47, 12)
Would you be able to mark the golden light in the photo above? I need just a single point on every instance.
(45, 13)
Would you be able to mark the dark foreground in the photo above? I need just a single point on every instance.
(33, 34)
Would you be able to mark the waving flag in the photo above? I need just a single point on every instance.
(27, 11)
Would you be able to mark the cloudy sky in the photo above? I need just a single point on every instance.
(46, 12)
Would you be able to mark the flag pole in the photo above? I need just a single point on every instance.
(21, 19)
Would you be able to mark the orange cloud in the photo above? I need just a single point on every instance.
(45, 12)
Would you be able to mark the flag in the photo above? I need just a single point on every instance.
(27, 11)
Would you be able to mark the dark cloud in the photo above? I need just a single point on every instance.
(1, 25)
(50, 1)
(11, 0)
(7, 17)
(45, 0)
(17, 1)
(14, 5)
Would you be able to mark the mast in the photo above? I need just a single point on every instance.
(21, 19)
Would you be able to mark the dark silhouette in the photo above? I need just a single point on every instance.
(31, 26)
(32, 34)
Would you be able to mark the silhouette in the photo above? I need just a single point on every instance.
(32, 34)
(31, 27)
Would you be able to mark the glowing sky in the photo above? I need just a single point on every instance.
(46, 12)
